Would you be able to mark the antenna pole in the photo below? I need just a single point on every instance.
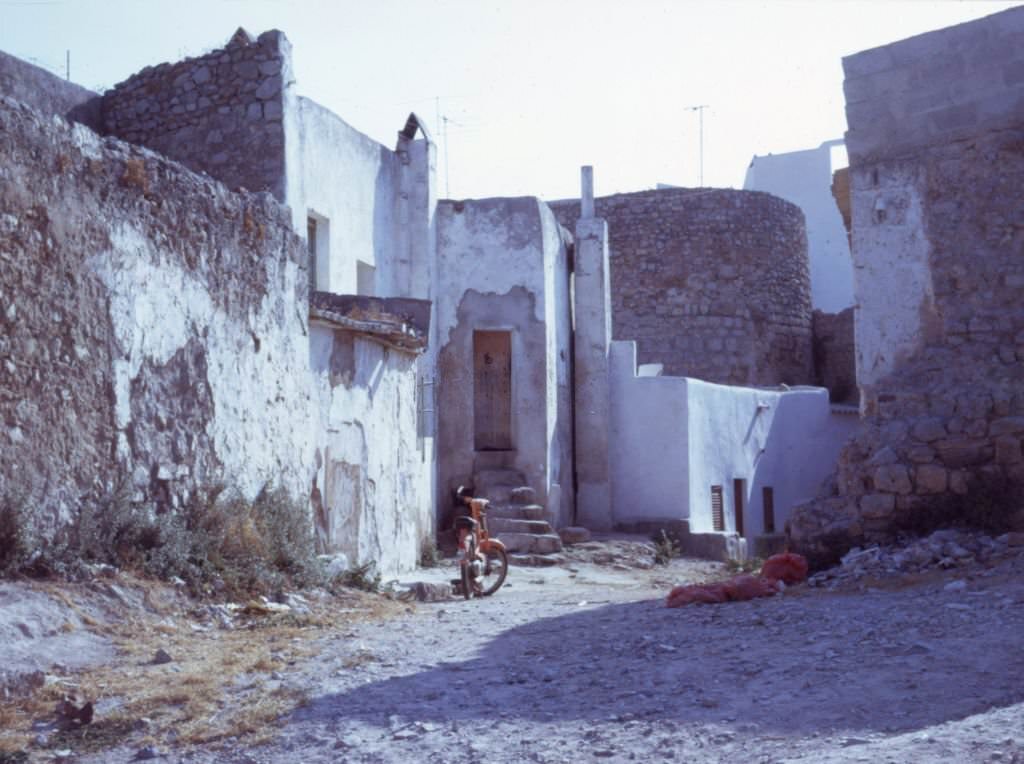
(444, 137)
(67, 65)
(700, 117)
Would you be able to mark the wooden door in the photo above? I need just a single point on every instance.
(492, 391)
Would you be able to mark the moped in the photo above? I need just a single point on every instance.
(483, 561)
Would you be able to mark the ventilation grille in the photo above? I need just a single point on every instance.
(717, 512)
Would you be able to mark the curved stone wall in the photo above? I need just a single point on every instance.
(713, 283)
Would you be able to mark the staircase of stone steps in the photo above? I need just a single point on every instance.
(514, 517)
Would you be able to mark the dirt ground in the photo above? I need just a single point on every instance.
(583, 662)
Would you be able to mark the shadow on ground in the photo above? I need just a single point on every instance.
(795, 664)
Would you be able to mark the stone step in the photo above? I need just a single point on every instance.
(532, 543)
(535, 560)
(500, 525)
(509, 494)
(485, 480)
(516, 511)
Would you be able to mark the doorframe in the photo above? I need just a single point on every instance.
(514, 351)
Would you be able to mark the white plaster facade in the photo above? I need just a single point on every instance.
(375, 501)
(502, 267)
(673, 438)
(261, 393)
(805, 179)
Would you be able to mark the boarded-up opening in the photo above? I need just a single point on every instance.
(717, 511)
(768, 502)
(738, 489)
(492, 391)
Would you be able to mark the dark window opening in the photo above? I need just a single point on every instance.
(768, 502)
(738, 491)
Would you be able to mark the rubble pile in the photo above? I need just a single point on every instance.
(943, 550)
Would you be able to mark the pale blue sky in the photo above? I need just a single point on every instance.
(534, 88)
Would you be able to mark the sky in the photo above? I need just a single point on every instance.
(519, 94)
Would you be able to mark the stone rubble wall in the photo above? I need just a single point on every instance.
(154, 327)
(712, 283)
(49, 93)
(834, 355)
(938, 244)
(221, 113)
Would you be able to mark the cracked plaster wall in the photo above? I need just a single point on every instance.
(375, 480)
(502, 266)
(155, 326)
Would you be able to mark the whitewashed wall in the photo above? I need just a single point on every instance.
(675, 437)
(373, 480)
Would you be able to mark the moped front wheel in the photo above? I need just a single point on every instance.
(495, 570)
(467, 581)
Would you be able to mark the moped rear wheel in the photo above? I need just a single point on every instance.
(495, 570)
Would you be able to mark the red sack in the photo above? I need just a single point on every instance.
(788, 567)
(736, 589)
(743, 588)
(696, 594)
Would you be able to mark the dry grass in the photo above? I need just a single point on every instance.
(220, 684)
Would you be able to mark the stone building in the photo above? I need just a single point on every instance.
(936, 168)
(805, 179)
(711, 283)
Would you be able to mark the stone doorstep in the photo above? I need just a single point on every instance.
(516, 512)
(534, 543)
(499, 525)
(535, 560)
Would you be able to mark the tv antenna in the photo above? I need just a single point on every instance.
(700, 115)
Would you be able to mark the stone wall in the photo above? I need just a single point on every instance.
(712, 283)
(48, 93)
(835, 356)
(938, 245)
(154, 327)
(221, 113)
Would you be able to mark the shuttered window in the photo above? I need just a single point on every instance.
(717, 510)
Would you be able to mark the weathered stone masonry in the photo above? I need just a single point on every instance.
(153, 326)
(937, 165)
(221, 113)
(713, 284)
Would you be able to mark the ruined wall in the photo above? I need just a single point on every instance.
(835, 365)
(221, 113)
(712, 283)
(48, 93)
(936, 145)
(502, 266)
(154, 326)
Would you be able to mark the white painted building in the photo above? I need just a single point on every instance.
(724, 459)
(805, 179)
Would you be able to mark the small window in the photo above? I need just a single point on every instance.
(717, 512)
(366, 279)
(738, 491)
(318, 240)
(768, 505)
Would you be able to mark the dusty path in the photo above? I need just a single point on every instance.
(563, 667)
